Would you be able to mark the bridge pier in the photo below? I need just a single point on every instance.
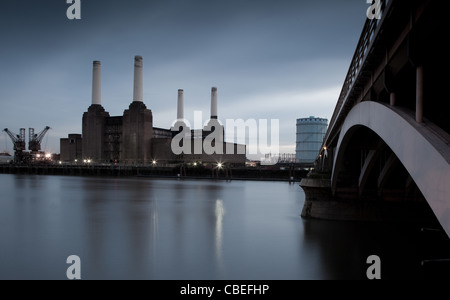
(320, 203)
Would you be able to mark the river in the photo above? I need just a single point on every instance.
(140, 228)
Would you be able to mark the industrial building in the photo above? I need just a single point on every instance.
(310, 134)
(71, 148)
(131, 139)
(6, 158)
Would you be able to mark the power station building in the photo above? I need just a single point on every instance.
(310, 134)
(132, 139)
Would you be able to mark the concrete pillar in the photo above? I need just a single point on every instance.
(419, 94)
(214, 103)
(138, 80)
(180, 107)
(96, 84)
(393, 99)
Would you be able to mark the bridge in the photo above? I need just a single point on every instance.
(386, 154)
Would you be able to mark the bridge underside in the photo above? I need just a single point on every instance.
(386, 166)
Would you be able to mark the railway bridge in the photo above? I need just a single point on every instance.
(386, 154)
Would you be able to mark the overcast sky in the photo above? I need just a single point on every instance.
(284, 59)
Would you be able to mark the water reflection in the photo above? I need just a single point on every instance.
(336, 249)
(141, 222)
(180, 229)
(343, 247)
(121, 227)
(220, 213)
(153, 229)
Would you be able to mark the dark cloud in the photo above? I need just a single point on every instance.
(249, 49)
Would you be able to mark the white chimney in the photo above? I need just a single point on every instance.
(180, 111)
(97, 84)
(138, 88)
(214, 103)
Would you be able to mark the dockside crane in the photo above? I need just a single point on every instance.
(34, 144)
(19, 145)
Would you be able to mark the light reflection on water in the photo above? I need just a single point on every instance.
(141, 228)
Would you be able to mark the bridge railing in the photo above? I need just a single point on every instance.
(362, 51)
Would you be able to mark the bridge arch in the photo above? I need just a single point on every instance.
(421, 148)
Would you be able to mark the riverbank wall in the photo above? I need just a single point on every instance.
(158, 172)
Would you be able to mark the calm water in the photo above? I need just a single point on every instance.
(183, 229)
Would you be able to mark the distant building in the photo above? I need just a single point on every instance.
(310, 134)
(132, 139)
(6, 158)
(71, 148)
